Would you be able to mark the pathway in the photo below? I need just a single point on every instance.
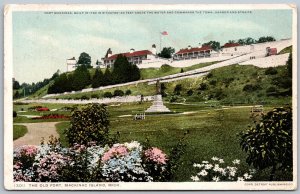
(36, 131)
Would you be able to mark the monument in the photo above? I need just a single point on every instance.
(158, 105)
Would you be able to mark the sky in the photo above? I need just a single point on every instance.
(42, 42)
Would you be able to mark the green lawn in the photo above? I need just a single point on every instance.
(211, 132)
(19, 131)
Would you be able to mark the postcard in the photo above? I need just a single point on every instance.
(150, 97)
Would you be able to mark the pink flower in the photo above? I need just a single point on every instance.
(156, 155)
(28, 150)
(119, 150)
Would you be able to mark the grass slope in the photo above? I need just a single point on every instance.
(288, 49)
(168, 70)
(19, 131)
(227, 85)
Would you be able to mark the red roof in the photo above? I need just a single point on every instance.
(191, 50)
(227, 45)
(133, 54)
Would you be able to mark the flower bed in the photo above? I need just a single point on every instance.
(216, 171)
(129, 162)
(52, 116)
(42, 109)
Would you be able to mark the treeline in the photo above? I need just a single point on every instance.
(249, 40)
(28, 89)
(81, 78)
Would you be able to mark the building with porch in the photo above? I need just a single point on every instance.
(134, 57)
(194, 53)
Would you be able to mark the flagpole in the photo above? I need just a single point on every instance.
(160, 42)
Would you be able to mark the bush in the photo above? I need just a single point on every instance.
(271, 71)
(118, 93)
(33, 108)
(269, 143)
(203, 86)
(217, 170)
(127, 162)
(209, 75)
(165, 68)
(90, 123)
(107, 95)
(15, 114)
(173, 98)
(189, 92)
(94, 96)
(213, 82)
(177, 89)
(128, 92)
(84, 97)
(251, 88)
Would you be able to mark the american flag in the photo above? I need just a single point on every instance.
(164, 33)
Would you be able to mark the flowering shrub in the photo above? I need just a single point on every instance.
(42, 109)
(128, 162)
(52, 116)
(218, 171)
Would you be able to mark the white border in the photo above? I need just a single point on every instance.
(8, 64)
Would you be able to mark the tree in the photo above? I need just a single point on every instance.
(81, 78)
(214, 45)
(266, 39)
(107, 77)
(84, 59)
(89, 124)
(97, 80)
(135, 73)
(16, 85)
(290, 65)
(123, 71)
(166, 52)
(269, 143)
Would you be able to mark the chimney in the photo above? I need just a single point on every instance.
(200, 45)
(131, 50)
(189, 47)
(108, 53)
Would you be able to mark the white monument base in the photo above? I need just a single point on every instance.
(158, 105)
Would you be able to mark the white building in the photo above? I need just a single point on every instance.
(134, 57)
(71, 64)
(195, 53)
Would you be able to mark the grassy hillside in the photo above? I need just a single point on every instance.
(286, 50)
(233, 84)
(168, 70)
(236, 84)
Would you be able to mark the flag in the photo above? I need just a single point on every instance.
(164, 33)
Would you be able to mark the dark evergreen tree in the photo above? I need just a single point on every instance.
(16, 85)
(97, 80)
(107, 78)
(121, 70)
(81, 78)
(135, 73)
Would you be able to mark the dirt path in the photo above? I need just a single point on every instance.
(35, 133)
